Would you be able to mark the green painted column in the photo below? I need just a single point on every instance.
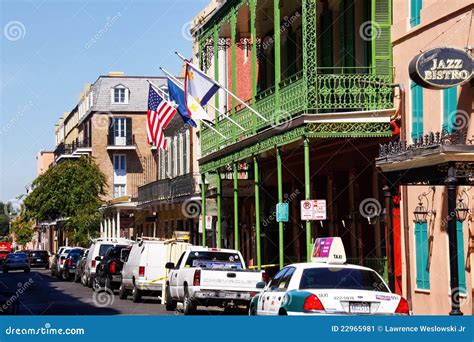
(216, 66)
(233, 53)
(281, 247)
(219, 209)
(257, 211)
(307, 195)
(236, 206)
(203, 208)
(253, 35)
(277, 49)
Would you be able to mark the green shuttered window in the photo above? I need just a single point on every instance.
(416, 111)
(422, 257)
(415, 9)
(461, 261)
(450, 105)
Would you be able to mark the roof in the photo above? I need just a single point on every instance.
(306, 265)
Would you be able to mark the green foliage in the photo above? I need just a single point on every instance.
(23, 229)
(4, 220)
(71, 190)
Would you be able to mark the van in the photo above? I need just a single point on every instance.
(97, 250)
(144, 271)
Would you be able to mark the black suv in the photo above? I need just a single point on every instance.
(39, 259)
(108, 272)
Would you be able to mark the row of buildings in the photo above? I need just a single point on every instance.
(342, 121)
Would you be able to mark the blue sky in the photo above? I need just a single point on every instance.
(50, 49)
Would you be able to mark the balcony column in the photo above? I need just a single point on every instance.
(310, 52)
(203, 208)
(109, 226)
(216, 67)
(118, 223)
(253, 36)
(219, 209)
(281, 246)
(236, 206)
(257, 210)
(307, 194)
(277, 49)
(101, 228)
(113, 228)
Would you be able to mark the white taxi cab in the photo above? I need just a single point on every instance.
(327, 286)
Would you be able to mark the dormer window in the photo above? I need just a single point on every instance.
(120, 95)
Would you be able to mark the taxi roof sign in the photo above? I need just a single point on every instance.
(329, 250)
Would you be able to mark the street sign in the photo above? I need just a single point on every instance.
(313, 210)
(208, 223)
(282, 212)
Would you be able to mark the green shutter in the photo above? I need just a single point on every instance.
(422, 256)
(347, 38)
(381, 41)
(416, 111)
(461, 261)
(415, 9)
(367, 43)
(450, 105)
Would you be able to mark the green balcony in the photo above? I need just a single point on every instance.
(335, 92)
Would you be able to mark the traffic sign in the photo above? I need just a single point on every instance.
(313, 210)
(282, 212)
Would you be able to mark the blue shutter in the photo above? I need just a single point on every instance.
(461, 266)
(416, 110)
(422, 256)
(450, 105)
(415, 9)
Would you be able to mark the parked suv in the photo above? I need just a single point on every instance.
(108, 272)
(39, 259)
(69, 266)
(80, 267)
(56, 260)
(97, 250)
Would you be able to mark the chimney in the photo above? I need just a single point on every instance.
(116, 73)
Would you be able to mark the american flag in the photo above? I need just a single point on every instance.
(160, 113)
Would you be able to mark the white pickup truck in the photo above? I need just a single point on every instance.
(210, 277)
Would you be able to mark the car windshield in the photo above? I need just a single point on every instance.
(17, 256)
(341, 278)
(214, 260)
(104, 248)
(75, 253)
(38, 254)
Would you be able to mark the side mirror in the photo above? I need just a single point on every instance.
(261, 285)
(98, 258)
(169, 265)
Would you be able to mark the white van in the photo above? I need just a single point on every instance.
(144, 271)
(97, 250)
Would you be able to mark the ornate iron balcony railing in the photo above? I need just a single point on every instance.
(168, 189)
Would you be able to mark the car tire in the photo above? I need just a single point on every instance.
(77, 277)
(189, 306)
(90, 281)
(123, 292)
(136, 295)
(96, 285)
(170, 303)
(84, 279)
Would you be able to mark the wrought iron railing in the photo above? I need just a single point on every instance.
(168, 189)
(128, 140)
(338, 89)
(63, 149)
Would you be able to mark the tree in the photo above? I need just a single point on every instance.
(4, 220)
(22, 228)
(70, 191)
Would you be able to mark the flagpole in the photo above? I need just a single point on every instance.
(221, 86)
(205, 123)
(180, 84)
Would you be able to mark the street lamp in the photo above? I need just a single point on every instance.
(421, 212)
(462, 210)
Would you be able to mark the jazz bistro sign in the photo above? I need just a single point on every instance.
(441, 68)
